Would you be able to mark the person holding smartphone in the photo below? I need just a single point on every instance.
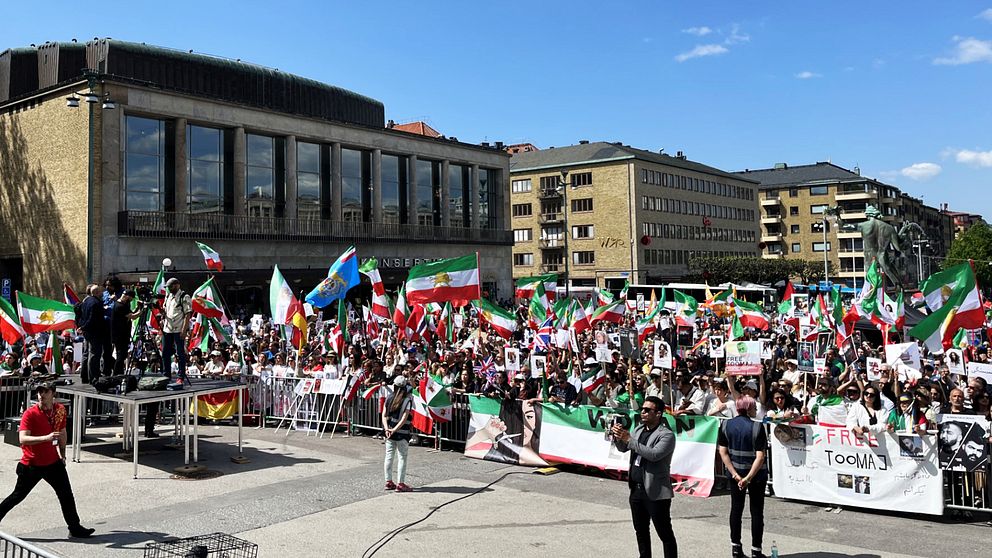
(43, 438)
(396, 424)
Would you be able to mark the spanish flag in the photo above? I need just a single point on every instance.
(216, 406)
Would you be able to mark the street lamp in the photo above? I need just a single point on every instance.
(919, 244)
(563, 188)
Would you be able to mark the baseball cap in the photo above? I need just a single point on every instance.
(399, 381)
(519, 376)
(751, 384)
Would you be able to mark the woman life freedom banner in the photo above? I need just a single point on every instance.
(833, 466)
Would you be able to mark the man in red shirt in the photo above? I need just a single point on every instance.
(43, 438)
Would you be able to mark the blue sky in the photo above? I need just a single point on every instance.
(901, 89)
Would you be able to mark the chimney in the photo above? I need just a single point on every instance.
(680, 155)
(499, 145)
(583, 142)
(485, 144)
(390, 124)
(857, 170)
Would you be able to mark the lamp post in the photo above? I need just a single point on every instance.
(919, 244)
(825, 222)
(92, 98)
(563, 188)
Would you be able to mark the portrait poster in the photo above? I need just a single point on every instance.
(537, 365)
(954, 359)
(962, 442)
(684, 334)
(511, 357)
(662, 355)
(766, 348)
(743, 358)
(906, 353)
(874, 369)
(716, 346)
(800, 305)
(806, 354)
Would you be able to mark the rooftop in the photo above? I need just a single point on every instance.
(601, 151)
(420, 128)
(786, 175)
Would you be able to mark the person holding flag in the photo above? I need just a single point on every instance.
(341, 277)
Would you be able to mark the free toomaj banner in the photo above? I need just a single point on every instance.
(550, 433)
(832, 466)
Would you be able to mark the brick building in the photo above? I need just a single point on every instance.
(624, 213)
(793, 199)
(264, 166)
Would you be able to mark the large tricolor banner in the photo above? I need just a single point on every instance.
(524, 434)
(881, 472)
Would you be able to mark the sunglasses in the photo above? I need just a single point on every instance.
(647, 410)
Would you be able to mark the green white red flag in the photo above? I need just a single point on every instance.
(10, 324)
(612, 312)
(210, 257)
(685, 304)
(380, 301)
(540, 307)
(40, 314)
(751, 315)
(525, 286)
(501, 321)
(454, 280)
(580, 320)
(206, 300)
(959, 305)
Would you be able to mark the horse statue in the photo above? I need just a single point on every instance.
(884, 243)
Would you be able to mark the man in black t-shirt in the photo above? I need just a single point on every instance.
(120, 328)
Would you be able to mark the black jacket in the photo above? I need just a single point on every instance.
(91, 318)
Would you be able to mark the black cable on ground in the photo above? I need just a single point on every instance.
(377, 545)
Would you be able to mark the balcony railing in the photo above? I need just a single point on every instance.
(549, 193)
(552, 267)
(551, 218)
(552, 243)
(155, 224)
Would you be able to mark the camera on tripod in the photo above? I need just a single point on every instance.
(145, 297)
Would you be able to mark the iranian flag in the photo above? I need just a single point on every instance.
(866, 304)
(580, 321)
(10, 325)
(612, 312)
(837, 318)
(685, 304)
(525, 286)
(593, 379)
(435, 395)
(647, 325)
(206, 300)
(959, 305)
(445, 324)
(40, 314)
(401, 313)
(454, 280)
(502, 322)
(603, 297)
(750, 315)
(736, 329)
(380, 302)
(540, 306)
(210, 257)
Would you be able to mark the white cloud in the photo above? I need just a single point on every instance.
(736, 36)
(698, 31)
(807, 75)
(700, 51)
(921, 171)
(974, 158)
(986, 15)
(967, 51)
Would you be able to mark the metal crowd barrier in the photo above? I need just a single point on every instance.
(15, 396)
(968, 491)
(13, 547)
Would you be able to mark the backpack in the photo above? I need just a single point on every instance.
(153, 383)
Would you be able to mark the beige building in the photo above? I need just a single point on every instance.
(793, 200)
(600, 213)
(164, 148)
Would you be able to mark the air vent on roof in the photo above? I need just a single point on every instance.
(781, 166)
(618, 143)
(583, 142)
(680, 155)
(499, 145)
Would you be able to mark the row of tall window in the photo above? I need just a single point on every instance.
(691, 232)
(684, 207)
(682, 257)
(149, 184)
(700, 185)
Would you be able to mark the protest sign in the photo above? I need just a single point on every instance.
(684, 336)
(640, 302)
(980, 370)
(537, 364)
(832, 466)
(766, 348)
(806, 355)
(511, 357)
(716, 346)
(801, 305)
(628, 343)
(954, 361)
(961, 442)
(603, 354)
(743, 358)
(507, 433)
(874, 371)
(819, 366)
(907, 353)
(662, 355)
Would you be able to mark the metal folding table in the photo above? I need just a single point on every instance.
(132, 403)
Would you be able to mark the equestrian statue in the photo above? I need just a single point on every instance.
(884, 243)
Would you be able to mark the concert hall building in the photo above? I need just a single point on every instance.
(113, 168)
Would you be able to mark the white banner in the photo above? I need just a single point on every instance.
(980, 369)
(832, 466)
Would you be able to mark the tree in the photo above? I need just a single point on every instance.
(974, 244)
(754, 270)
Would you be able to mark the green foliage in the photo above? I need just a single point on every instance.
(755, 270)
(973, 244)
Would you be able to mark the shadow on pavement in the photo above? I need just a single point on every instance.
(124, 540)
(828, 555)
(451, 490)
(213, 455)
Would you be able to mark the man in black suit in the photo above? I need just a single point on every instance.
(96, 331)
(651, 447)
